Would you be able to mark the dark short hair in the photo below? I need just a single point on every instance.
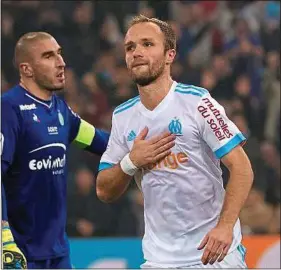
(166, 28)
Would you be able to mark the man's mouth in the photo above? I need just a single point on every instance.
(61, 75)
(139, 64)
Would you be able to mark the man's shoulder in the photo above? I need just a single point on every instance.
(12, 94)
(189, 96)
(126, 107)
(190, 91)
(12, 98)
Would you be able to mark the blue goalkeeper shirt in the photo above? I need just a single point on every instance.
(35, 138)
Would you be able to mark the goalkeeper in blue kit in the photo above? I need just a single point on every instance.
(37, 128)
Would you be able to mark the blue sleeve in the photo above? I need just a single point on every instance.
(99, 143)
(4, 168)
(10, 132)
(85, 135)
(91, 139)
(4, 202)
(74, 121)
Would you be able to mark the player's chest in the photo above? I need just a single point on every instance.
(43, 127)
(179, 123)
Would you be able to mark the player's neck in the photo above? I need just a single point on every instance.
(35, 90)
(151, 95)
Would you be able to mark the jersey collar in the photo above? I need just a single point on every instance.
(161, 106)
(47, 104)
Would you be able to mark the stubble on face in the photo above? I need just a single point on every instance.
(148, 76)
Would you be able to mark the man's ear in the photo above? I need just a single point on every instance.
(26, 69)
(170, 56)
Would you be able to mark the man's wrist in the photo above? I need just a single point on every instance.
(132, 158)
(226, 224)
(128, 166)
(5, 223)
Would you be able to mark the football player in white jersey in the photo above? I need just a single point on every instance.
(191, 221)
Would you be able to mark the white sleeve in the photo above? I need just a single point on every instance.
(115, 150)
(221, 134)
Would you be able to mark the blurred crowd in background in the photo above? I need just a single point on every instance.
(231, 48)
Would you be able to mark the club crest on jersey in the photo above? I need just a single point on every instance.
(61, 119)
(35, 118)
(175, 127)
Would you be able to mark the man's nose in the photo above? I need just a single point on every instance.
(138, 52)
(61, 62)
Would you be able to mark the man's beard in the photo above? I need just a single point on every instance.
(54, 89)
(146, 80)
(149, 77)
(48, 86)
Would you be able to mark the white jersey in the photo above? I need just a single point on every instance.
(183, 194)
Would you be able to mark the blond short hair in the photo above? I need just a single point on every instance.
(166, 28)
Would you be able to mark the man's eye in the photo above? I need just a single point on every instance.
(148, 44)
(60, 52)
(129, 48)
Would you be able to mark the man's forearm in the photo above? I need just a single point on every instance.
(4, 223)
(99, 142)
(91, 139)
(4, 168)
(112, 183)
(237, 191)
